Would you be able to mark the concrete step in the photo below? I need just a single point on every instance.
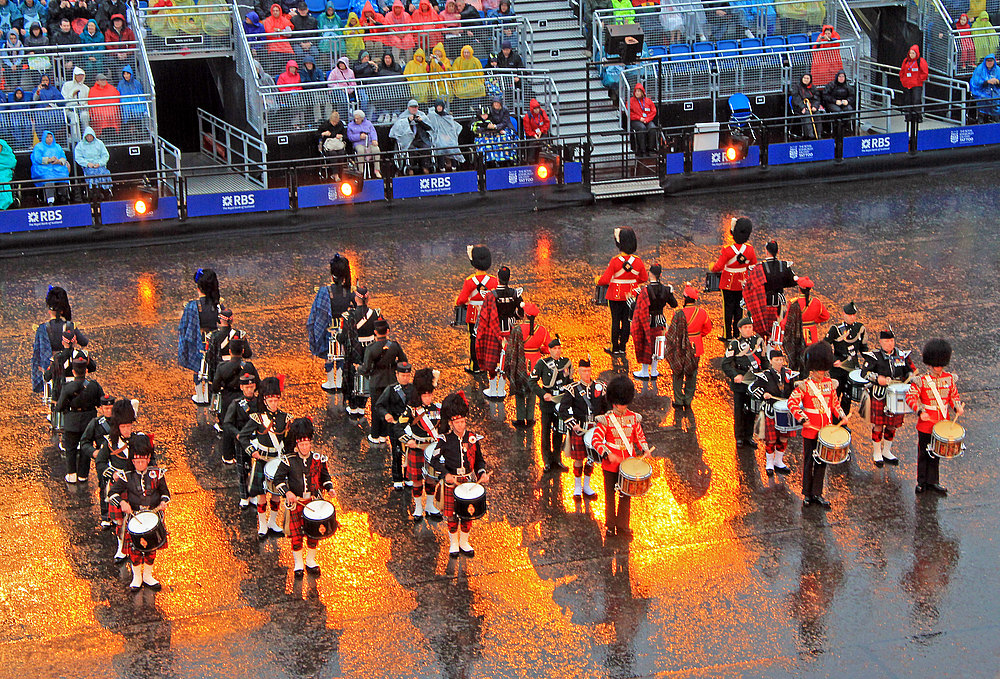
(559, 34)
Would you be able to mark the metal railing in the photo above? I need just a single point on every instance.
(115, 122)
(952, 104)
(251, 71)
(227, 145)
(168, 157)
(947, 49)
(187, 30)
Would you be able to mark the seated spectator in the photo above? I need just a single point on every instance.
(826, 56)
(64, 34)
(985, 84)
(964, 44)
(417, 73)
(412, 133)
(510, 59)
(32, 11)
(76, 92)
(46, 91)
(444, 136)
(388, 68)
(425, 18)
(332, 42)
(119, 33)
(371, 24)
(92, 58)
(364, 67)
(984, 36)
(806, 104)
(132, 98)
(346, 93)
(104, 111)
(253, 28)
(468, 75)
(536, 126)
(14, 65)
(302, 20)
(493, 81)
(439, 70)
(332, 143)
(493, 138)
(398, 37)
(16, 119)
(277, 23)
(108, 9)
(452, 33)
(309, 73)
(50, 169)
(503, 15)
(8, 161)
(352, 35)
(361, 133)
(839, 99)
(467, 12)
(642, 121)
(290, 80)
(92, 156)
(39, 63)
(57, 11)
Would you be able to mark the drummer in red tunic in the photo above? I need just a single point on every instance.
(473, 291)
(625, 272)
(813, 311)
(931, 396)
(301, 478)
(814, 404)
(618, 435)
(141, 488)
(733, 262)
(459, 461)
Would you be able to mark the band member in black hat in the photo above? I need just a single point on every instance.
(219, 343)
(471, 295)
(263, 439)
(237, 415)
(358, 331)
(90, 442)
(391, 410)
(78, 401)
(850, 343)
(931, 396)
(625, 271)
(744, 355)
(814, 404)
(771, 384)
(509, 307)
(459, 460)
(379, 366)
(302, 476)
(60, 369)
(326, 319)
(551, 374)
(48, 336)
(142, 487)
(423, 415)
(618, 435)
(764, 292)
(114, 457)
(581, 403)
(649, 323)
(883, 367)
(199, 320)
(226, 383)
(733, 262)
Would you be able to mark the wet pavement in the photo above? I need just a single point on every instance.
(727, 576)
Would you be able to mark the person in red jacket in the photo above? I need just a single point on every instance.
(472, 294)
(536, 126)
(642, 117)
(912, 75)
(931, 396)
(625, 272)
(733, 262)
(290, 80)
(813, 311)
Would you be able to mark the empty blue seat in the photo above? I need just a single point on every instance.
(658, 51)
(798, 41)
(703, 50)
(727, 48)
(679, 52)
(751, 46)
(739, 107)
(775, 43)
(814, 36)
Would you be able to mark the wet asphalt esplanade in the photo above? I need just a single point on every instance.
(727, 574)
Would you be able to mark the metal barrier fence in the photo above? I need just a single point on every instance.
(251, 71)
(179, 30)
(117, 121)
(947, 49)
(228, 144)
(383, 101)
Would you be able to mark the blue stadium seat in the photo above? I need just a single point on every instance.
(776, 43)
(727, 48)
(798, 41)
(658, 51)
(679, 52)
(317, 6)
(814, 36)
(703, 50)
(751, 46)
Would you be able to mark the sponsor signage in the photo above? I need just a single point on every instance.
(524, 176)
(420, 186)
(876, 145)
(123, 211)
(323, 195)
(800, 152)
(955, 137)
(49, 217)
(715, 159)
(263, 200)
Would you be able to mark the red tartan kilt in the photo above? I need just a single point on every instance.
(880, 418)
(577, 451)
(448, 511)
(770, 433)
(116, 514)
(296, 524)
(415, 464)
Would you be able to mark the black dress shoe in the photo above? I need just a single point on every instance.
(454, 555)
(894, 461)
(314, 570)
(609, 532)
(785, 471)
(806, 501)
(821, 501)
(548, 469)
(467, 553)
(879, 463)
(937, 488)
(298, 574)
(919, 489)
(136, 589)
(156, 586)
(770, 472)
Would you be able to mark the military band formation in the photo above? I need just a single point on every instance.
(787, 378)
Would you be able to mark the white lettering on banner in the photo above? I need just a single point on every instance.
(963, 136)
(524, 175)
(716, 158)
(238, 201)
(869, 144)
(45, 217)
(435, 183)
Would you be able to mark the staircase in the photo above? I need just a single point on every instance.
(560, 48)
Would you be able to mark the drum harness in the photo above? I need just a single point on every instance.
(937, 397)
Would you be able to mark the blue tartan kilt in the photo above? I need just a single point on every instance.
(497, 147)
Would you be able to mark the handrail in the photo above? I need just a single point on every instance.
(147, 71)
(407, 79)
(219, 131)
(246, 67)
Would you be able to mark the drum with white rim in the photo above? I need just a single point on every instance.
(947, 440)
(270, 469)
(895, 399)
(470, 500)
(858, 384)
(146, 531)
(783, 420)
(833, 444)
(635, 475)
(593, 457)
(319, 519)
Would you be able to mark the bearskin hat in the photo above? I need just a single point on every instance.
(741, 230)
(772, 248)
(819, 356)
(625, 240)
(139, 445)
(454, 405)
(122, 412)
(57, 300)
(340, 270)
(937, 353)
(423, 381)
(299, 428)
(269, 386)
(208, 282)
(480, 256)
(621, 391)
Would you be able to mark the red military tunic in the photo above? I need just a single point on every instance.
(921, 399)
(473, 292)
(623, 274)
(803, 404)
(606, 438)
(535, 345)
(812, 315)
(699, 325)
(734, 273)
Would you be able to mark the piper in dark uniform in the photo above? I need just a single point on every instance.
(90, 442)
(115, 457)
(551, 374)
(379, 365)
(391, 409)
(459, 460)
(237, 416)
(48, 335)
(142, 487)
(423, 415)
(199, 320)
(471, 296)
(582, 402)
(744, 355)
(534, 342)
(769, 385)
(625, 272)
(931, 396)
(262, 437)
(60, 369)
(226, 383)
(849, 343)
(302, 477)
(78, 400)
(218, 349)
(358, 331)
(882, 367)
(649, 323)
(326, 318)
(764, 292)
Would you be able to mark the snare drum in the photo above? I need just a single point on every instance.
(319, 519)
(660, 348)
(460, 311)
(634, 477)
(947, 439)
(216, 404)
(146, 531)
(470, 501)
(712, 281)
(593, 457)
(895, 399)
(833, 444)
(430, 473)
(783, 420)
(270, 469)
(755, 405)
(600, 295)
(858, 385)
(360, 384)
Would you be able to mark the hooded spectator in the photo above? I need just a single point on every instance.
(912, 75)
(131, 91)
(92, 58)
(108, 9)
(468, 75)
(536, 121)
(14, 64)
(424, 19)
(92, 156)
(253, 28)
(364, 67)
(119, 33)
(642, 120)
(361, 133)
(278, 23)
(839, 95)
(826, 56)
(388, 68)
(399, 37)
(412, 132)
(39, 63)
(371, 22)
(504, 16)
(309, 72)
(341, 77)
(7, 163)
(416, 73)
(965, 45)
(499, 115)
(353, 35)
(104, 111)
(290, 80)
(19, 120)
(490, 138)
(32, 11)
(439, 68)
(50, 168)
(35, 37)
(46, 91)
(444, 135)
(331, 24)
(985, 84)
(984, 36)
(10, 15)
(76, 92)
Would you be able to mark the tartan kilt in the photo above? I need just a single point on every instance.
(116, 514)
(415, 464)
(448, 510)
(577, 451)
(771, 435)
(296, 526)
(880, 418)
(256, 477)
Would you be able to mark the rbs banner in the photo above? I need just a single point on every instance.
(264, 200)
